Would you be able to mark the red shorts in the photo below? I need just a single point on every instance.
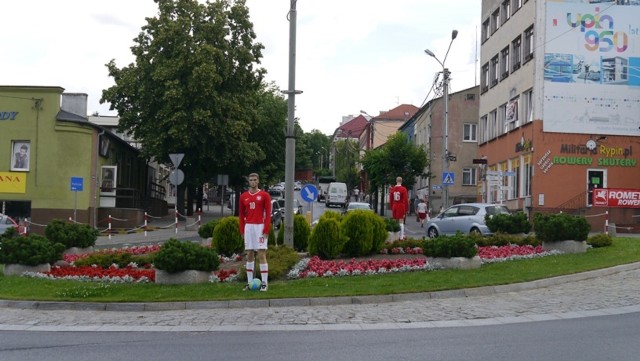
(422, 215)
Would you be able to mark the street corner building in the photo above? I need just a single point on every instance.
(57, 164)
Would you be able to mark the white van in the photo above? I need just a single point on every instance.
(336, 194)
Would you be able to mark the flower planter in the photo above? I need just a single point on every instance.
(393, 236)
(19, 269)
(457, 262)
(566, 246)
(188, 276)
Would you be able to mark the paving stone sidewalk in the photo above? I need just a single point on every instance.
(602, 292)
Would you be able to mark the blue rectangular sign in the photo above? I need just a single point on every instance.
(77, 183)
(448, 178)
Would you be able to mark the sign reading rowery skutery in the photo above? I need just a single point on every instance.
(616, 197)
(11, 182)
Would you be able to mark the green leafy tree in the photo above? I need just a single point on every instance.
(196, 88)
(397, 157)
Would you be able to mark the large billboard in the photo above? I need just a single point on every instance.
(592, 67)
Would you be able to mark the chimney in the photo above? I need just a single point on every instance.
(75, 103)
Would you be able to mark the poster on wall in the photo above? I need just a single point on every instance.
(108, 177)
(592, 67)
(21, 152)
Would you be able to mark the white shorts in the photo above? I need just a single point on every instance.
(253, 236)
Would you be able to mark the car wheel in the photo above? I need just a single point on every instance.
(475, 232)
(432, 232)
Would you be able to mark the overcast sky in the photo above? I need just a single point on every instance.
(352, 55)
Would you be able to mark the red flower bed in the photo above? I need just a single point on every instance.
(100, 273)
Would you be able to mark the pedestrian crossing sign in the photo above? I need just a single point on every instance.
(448, 178)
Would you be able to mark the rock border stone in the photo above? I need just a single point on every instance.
(188, 276)
(566, 246)
(14, 269)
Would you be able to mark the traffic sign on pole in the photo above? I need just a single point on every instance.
(309, 193)
(448, 178)
(176, 159)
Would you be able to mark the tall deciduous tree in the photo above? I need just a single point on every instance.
(191, 87)
(397, 157)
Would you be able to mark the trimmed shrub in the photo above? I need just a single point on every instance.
(71, 234)
(392, 225)
(280, 259)
(560, 227)
(508, 223)
(380, 232)
(206, 230)
(31, 250)
(355, 226)
(301, 232)
(503, 239)
(408, 243)
(458, 245)
(271, 241)
(600, 240)
(326, 240)
(175, 256)
(122, 259)
(226, 238)
(280, 238)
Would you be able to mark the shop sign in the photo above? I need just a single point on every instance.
(616, 197)
(8, 115)
(13, 182)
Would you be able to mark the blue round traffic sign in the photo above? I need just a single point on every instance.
(309, 193)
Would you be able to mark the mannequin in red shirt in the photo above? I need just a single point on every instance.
(255, 221)
(399, 202)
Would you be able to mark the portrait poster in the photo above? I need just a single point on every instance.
(20, 154)
(108, 176)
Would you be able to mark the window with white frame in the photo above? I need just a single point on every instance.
(484, 126)
(517, 4)
(527, 110)
(502, 116)
(506, 10)
(493, 124)
(512, 115)
(526, 177)
(516, 53)
(528, 43)
(514, 181)
(486, 30)
(469, 176)
(495, 21)
(484, 80)
(469, 132)
(494, 73)
(504, 63)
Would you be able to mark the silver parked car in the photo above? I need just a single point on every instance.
(466, 218)
(6, 222)
(352, 206)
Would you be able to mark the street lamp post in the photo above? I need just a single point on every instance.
(445, 140)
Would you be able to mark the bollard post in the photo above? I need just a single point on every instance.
(606, 223)
(109, 229)
(146, 217)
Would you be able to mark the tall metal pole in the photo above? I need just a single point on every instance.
(445, 143)
(445, 140)
(290, 152)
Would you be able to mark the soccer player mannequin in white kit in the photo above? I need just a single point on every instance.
(255, 220)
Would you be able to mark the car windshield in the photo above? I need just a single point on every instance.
(494, 210)
(359, 206)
